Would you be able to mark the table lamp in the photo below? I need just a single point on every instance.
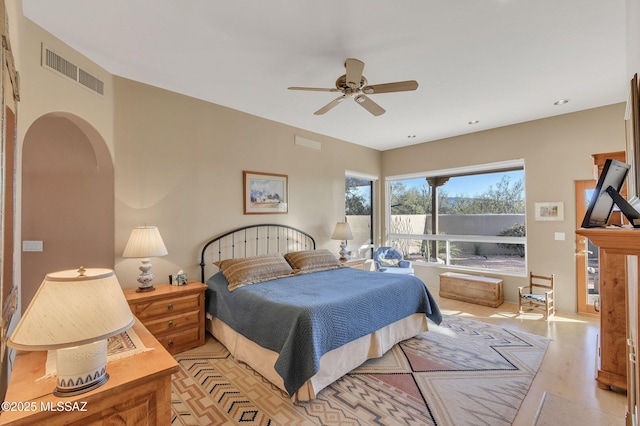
(74, 312)
(342, 232)
(145, 242)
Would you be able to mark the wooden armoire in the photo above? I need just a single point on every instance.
(612, 352)
(623, 242)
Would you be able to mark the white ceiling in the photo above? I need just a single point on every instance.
(497, 61)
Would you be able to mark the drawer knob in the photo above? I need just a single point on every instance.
(170, 343)
(170, 307)
(170, 323)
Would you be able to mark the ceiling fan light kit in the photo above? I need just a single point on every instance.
(354, 85)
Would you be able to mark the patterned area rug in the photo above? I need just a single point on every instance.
(459, 373)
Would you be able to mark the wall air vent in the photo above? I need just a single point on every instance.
(90, 82)
(54, 62)
(307, 143)
(60, 64)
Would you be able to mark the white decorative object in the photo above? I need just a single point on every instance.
(145, 242)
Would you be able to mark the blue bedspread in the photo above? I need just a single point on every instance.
(305, 316)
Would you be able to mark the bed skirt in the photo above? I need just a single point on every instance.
(333, 364)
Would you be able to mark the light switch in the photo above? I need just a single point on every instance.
(32, 246)
(559, 236)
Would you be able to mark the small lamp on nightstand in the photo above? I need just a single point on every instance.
(145, 242)
(343, 233)
(74, 312)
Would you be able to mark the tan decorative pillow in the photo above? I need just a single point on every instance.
(312, 260)
(389, 262)
(251, 270)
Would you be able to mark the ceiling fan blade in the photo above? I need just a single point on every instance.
(354, 72)
(314, 89)
(330, 105)
(400, 86)
(369, 105)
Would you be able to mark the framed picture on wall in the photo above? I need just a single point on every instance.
(553, 210)
(265, 193)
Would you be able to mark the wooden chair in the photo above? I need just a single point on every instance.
(538, 294)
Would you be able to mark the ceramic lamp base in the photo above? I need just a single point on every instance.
(145, 277)
(344, 254)
(81, 368)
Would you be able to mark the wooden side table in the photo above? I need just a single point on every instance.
(354, 262)
(138, 391)
(173, 314)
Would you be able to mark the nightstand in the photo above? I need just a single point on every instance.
(138, 391)
(173, 314)
(354, 262)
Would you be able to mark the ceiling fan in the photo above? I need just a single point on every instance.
(354, 85)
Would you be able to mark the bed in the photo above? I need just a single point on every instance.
(296, 315)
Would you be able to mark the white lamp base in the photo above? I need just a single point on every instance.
(81, 368)
(344, 254)
(145, 277)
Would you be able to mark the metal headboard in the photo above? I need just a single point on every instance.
(254, 240)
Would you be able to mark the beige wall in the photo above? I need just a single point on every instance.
(557, 152)
(179, 164)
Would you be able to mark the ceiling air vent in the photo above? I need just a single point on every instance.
(52, 61)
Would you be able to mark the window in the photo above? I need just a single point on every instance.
(470, 218)
(358, 211)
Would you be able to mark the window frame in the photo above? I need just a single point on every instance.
(374, 211)
(495, 167)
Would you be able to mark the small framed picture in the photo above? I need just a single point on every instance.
(550, 211)
(179, 279)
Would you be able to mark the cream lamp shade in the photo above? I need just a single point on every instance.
(75, 312)
(342, 232)
(145, 242)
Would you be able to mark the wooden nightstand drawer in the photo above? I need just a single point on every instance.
(178, 342)
(146, 310)
(173, 323)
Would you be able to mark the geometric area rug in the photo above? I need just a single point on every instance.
(462, 372)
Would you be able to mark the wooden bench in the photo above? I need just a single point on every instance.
(472, 289)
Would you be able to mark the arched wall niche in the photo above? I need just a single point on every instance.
(67, 199)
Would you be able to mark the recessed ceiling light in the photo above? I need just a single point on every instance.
(561, 102)
(474, 122)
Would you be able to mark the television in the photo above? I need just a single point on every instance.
(607, 194)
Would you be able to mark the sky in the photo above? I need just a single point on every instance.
(470, 185)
